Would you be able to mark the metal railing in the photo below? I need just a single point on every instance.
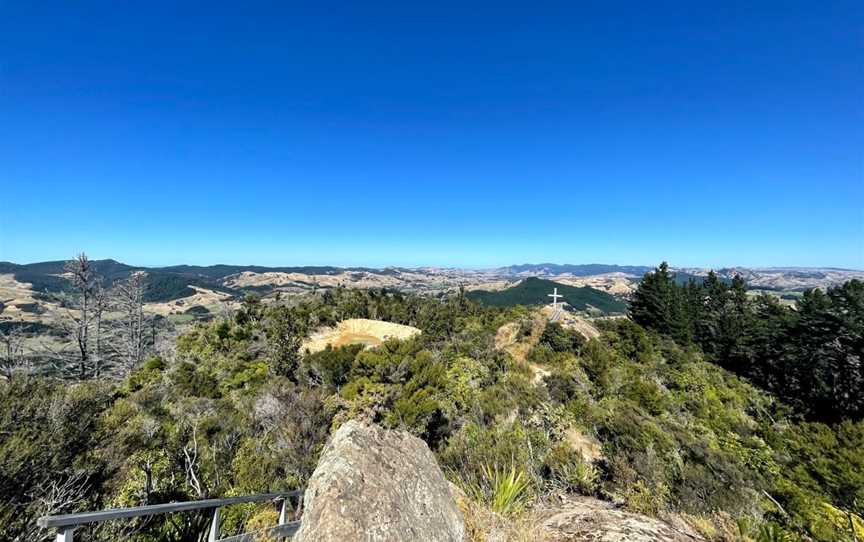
(67, 523)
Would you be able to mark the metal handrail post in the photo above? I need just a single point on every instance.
(66, 534)
(214, 527)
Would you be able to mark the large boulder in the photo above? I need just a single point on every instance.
(377, 485)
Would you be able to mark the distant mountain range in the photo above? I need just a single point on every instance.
(581, 270)
(760, 278)
(180, 281)
(32, 293)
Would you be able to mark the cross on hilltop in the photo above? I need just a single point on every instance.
(555, 297)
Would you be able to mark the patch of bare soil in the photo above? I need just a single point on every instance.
(511, 337)
(585, 444)
(571, 321)
(358, 331)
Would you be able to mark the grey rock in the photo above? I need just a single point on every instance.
(583, 519)
(377, 485)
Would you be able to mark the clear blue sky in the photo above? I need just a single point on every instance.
(452, 133)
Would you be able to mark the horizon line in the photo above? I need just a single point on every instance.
(453, 267)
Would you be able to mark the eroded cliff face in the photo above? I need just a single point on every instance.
(377, 485)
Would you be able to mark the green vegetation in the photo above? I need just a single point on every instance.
(197, 310)
(32, 308)
(33, 328)
(504, 491)
(810, 354)
(534, 291)
(241, 409)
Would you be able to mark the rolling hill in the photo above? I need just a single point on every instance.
(580, 270)
(163, 283)
(534, 291)
(596, 285)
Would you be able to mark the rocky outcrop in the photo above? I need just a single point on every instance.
(378, 485)
(583, 519)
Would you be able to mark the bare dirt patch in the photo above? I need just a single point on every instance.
(358, 331)
(509, 340)
(585, 444)
(571, 321)
(510, 337)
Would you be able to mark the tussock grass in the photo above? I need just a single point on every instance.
(504, 491)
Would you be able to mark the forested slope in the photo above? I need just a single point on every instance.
(535, 291)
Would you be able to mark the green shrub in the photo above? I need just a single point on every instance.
(149, 372)
(570, 471)
(330, 367)
(48, 433)
(772, 532)
(194, 381)
(564, 386)
(559, 339)
(473, 447)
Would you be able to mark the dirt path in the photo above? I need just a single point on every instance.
(510, 338)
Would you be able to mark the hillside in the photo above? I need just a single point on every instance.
(535, 291)
(631, 417)
(163, 284)
(784, 279)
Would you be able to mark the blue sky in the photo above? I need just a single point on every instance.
(451, 133)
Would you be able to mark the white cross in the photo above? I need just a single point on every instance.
(555, 297)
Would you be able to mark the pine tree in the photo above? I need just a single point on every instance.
(660, 304)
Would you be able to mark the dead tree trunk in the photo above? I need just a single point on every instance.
(131, 338)
(85, 284)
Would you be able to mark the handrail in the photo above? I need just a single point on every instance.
(66, 520)
(66, 523)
